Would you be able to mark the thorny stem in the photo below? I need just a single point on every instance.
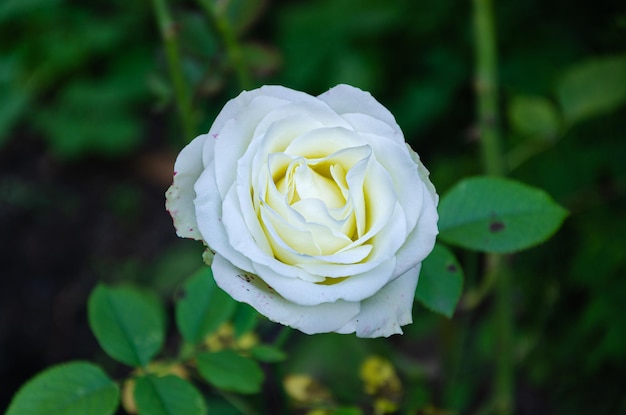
(183, 97)
(487, 101)
(218, 17)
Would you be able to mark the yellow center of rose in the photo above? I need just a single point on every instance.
(309, 209)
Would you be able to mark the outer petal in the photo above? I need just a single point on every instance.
(180, 195)
(346, 99)
(421, 240)
(232, 141)
(209, 216)
(238, 123)
(354, 288)
(390, 308)
(244, 287)
(363, 123)
(238, 105)
(424, 174)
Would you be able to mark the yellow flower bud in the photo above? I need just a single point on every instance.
(305, 390)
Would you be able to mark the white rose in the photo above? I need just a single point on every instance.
(318, 212)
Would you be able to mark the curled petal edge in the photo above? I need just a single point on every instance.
(250, 289)
(181, 194)
(384, 314)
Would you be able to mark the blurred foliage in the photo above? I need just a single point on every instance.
(87, 77)
(75, 73)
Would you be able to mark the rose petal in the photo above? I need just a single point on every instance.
(373, 197)
(232, 141)
(420, 242)
(384, 244)
(339, 220)
(309, 184)
(248, 288)
(364, 123)
(214, 221)
(242, 226)
(238, 105)
(236, 124)
(308, 106)
(290, 241)
(354, 288)
(403, 172)
(383, 314)
(424, 175)
(229, 236)
(322, 142)
(280, 134)
(337, 269)
(180, 195)
(389, 239)
(346, 99)
(350, 256)
(209, 217)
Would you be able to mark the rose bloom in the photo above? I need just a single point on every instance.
(318, 212)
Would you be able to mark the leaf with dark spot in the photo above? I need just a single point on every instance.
(496, 226)
(441, 282)
(492, 214)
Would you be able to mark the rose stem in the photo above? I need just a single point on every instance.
(225, 30)
(487, 102)
(183, 97)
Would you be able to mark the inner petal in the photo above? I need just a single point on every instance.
(290, 241)
(309, 184)
(340, 220)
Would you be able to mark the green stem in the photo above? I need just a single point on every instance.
(226, 33)
(487, 88)
(493, 159)
(505, 370)
(183, 97)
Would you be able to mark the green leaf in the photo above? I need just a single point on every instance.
(70, 388)
(441, 282)
(267, 353)
(593, 87)
(203, 307)
(245, 319)
(492, 214)
(129, 324)
(534, 117)
(169, 395)
(230, 371)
